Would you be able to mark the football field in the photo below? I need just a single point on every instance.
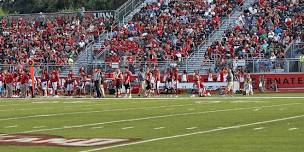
(260, 123)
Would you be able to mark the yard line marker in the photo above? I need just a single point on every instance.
(170, 99)
(28, 109)
(256, 109)
(291, 129)
(260, 128)
(195, 133)
(97, 127)
(38, 127)
(89, 112)
(159, 128)
(191, 128)
(125, 128)
(15, 126)
(156, 117)
(168, 109)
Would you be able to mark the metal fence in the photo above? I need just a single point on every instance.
(251, 66)
(126, 9)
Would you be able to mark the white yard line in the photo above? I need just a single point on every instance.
(125, 128)
(162, 98)
(259, 128)
(195, 133)
(38, 127)
(291, 129)
(256, 109)
(97, 127)
(14, 126)
(191, 128)
(155, 117)
(49, 100)
(158, 128)
(50, 108)
(97, 111)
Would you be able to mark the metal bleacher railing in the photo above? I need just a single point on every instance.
(294, 65)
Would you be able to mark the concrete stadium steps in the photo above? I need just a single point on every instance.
(87, 56)
(195, 61)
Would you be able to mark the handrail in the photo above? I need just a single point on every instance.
(56, 13)
(226, 19)
(159, 62)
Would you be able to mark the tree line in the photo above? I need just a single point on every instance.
(49, 6)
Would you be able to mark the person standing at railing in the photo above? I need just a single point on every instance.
(54, 83)
(9, 79)
(118, 82)
(230, 80)
(44, 83)
(1, 84)
(142, 85)
(23, 82)
(157, 79)
(127, 83)
(31, 90)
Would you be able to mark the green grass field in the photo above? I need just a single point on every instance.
(263, 123)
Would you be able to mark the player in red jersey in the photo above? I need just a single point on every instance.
(118, 82)
(127, 83)
(71, 74)
(197, 82)
(23, 81)
(17, 83)
(9, 79)
(148, 83)
(1, 84)
(44, 82)
(176, 79)
(157, 79)
(69, 83)
(54, 81)
(202, 92)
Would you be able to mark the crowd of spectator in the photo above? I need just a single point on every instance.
(263, 31)
(54, 39)
(168, 29)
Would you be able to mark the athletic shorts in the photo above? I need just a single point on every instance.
(118, 85)
(149, 87)
(157, 85)
(127, 86)
(69, 87)
(54, 86)
(43, 85)
(229, 86)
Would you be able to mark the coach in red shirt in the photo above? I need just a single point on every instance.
(24, 81)
(9, 79)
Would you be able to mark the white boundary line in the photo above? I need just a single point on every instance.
(195, 133)
(100, 111)
(191, 128)
(28, 109)
(125, 128)
(161, 98)
(158, 128)
(155, 117)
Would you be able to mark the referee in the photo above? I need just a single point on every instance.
(97, 82)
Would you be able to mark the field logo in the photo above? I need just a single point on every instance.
(47, 140)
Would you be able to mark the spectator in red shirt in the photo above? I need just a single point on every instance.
(24, 81)
(9, 79)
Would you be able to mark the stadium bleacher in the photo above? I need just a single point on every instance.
(166, 30)
(48, 39)
(261, 32)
